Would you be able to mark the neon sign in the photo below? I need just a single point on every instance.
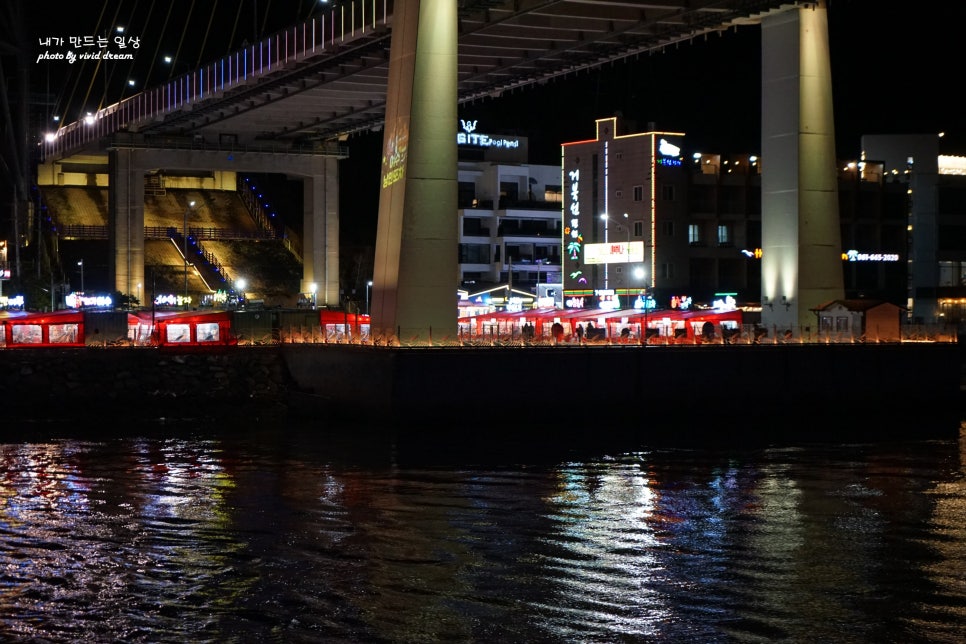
(669, 154)
(667, 149)
(573, 230)
(607, 299)
(469, 137)
(856, 256)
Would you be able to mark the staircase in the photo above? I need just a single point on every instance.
(211, 272)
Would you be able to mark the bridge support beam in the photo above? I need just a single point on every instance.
(320, 223)
(416, 264)
(801, 265)
(125, 220)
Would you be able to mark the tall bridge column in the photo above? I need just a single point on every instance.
(320, 225)
(416, 264)
(801, 264)
(125, 220)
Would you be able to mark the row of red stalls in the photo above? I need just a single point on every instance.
(219, 328)
(78, 328)
(671, 326)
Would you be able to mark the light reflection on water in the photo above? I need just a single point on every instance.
(281, 536)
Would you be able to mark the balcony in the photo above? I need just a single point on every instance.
(529, 228)
(529, 204)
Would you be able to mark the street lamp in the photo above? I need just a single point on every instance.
(81, 264)
(240, 286)
(313, 287)
(184, 239)
(173, 65)
(368, 286)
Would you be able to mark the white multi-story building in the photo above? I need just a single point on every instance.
(510, 221)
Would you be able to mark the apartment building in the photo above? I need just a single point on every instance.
(509, 222)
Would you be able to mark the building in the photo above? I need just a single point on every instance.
(641, 218)
(929, 223)
(509, 220)
(642, 213)
(864, 320)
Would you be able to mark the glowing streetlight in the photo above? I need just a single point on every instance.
(368, 286)
(81, 264)
(240, 286)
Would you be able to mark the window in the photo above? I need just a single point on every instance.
(26, 334)
(667, 193)
(63, 333)
(619, 194)
(208, 332)
(724, 235)
(638, 228)
(553, 194)
(667, 271)
(667, 227)
(509, 190)
(178, 333)
(694, 234)
(638, 193)
(466, 194)
(474, 253)
(473, 226)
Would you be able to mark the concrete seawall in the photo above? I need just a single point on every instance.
(873, 391)
(140, 384)
(858, 391)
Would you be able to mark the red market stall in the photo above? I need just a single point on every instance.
(33, 329)
(341, 326)
(186, 328)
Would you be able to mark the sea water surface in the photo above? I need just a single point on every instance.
(289, 534)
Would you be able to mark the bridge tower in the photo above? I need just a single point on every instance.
(416, 265)
(801, 264)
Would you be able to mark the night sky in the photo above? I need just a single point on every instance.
(885, 68)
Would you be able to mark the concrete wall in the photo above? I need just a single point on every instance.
(93, 385)
(712, 391)
(707, 393)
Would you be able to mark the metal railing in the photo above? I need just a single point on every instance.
(344, 23)
(747, 335)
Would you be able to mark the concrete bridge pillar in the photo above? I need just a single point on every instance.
(416, 263)
(320, 223)
(801, 264)
(125, 220)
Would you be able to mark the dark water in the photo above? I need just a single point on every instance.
(285, 535)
